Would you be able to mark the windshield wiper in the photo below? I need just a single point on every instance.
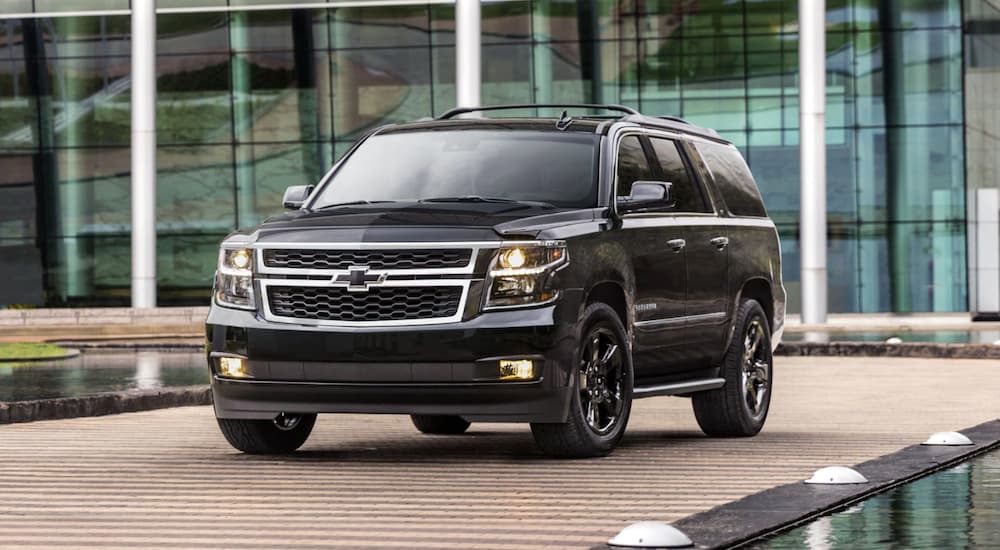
(468, 198)
(479, 198)
(349, 203)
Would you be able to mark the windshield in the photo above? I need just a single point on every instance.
(547, 167)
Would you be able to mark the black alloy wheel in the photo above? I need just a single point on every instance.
(739, 408)
(602, 390)
(602, 380)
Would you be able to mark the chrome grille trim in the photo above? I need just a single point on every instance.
(261, 269)
(380, 260)
(265, 285)
(381, 303)
(435, 277)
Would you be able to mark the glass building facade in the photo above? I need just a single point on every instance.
(254, 98)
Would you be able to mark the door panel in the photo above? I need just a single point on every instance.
(657, 250)
(707, 290)
(660, 288)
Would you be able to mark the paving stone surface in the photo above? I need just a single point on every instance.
(167, 478)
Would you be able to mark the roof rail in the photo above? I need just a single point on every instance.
(674, 118)
(610, 107)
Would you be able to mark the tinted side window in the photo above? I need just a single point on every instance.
(687, 196)
(632, 165)
(733, 178)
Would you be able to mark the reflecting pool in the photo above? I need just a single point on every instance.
(955, 508)
(101, 371)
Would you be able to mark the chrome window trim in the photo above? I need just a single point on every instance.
(653, 219)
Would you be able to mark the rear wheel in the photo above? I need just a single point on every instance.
(739, 408)
(603, 398)
(440, 424)
(283, 434)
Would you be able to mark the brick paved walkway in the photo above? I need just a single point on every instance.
(167, 478)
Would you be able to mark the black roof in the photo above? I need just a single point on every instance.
(569, 121)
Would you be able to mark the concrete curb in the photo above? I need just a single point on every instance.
(135, 346)
(103, 404)
(70, 353)
(881, 349)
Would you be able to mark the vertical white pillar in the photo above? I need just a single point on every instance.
(812, 154)
(985, 277)
(944, 292)
(143, 153)
(468, 53)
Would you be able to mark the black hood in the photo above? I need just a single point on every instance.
(416, 222)
(413, 214)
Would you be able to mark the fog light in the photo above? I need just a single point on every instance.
(519, 369)
(233, 367)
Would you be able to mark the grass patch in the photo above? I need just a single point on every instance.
(30, 350)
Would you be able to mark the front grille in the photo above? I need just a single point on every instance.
(377, 304)
(374, 259)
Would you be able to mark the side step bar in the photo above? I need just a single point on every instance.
(678, 388)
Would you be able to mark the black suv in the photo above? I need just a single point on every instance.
(505, 269)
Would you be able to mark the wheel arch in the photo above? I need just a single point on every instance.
(613, 294)
(759, 289)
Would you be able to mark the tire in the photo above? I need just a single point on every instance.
(440, 424)
(739, 408)
(282, 435)
(602, 397)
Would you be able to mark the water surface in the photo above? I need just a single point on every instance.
(956, 508)
(101, 371)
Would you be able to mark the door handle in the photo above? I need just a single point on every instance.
(677, 244)
(720, 242)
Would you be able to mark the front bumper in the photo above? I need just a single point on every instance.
(447, 369)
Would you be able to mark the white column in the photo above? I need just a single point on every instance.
(812, 154)
(468, 53)
(143, 153)
(985, 277)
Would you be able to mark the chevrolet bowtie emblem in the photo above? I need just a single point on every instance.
(358, 279)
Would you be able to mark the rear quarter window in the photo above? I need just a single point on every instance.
(733, 179)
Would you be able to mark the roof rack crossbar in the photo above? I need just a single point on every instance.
(609, 107)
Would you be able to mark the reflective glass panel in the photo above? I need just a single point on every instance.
(193, 103)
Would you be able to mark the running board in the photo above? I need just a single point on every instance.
(678, 388)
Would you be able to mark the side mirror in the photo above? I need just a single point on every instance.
(295, 196)
(646, 193)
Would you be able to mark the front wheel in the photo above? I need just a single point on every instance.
(603, 398)
(283, 434)
(739, 408)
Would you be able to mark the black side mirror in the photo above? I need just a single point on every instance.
(645, 194)
(295, 196)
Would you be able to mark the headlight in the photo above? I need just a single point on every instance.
(234, 279)
(521, 275)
